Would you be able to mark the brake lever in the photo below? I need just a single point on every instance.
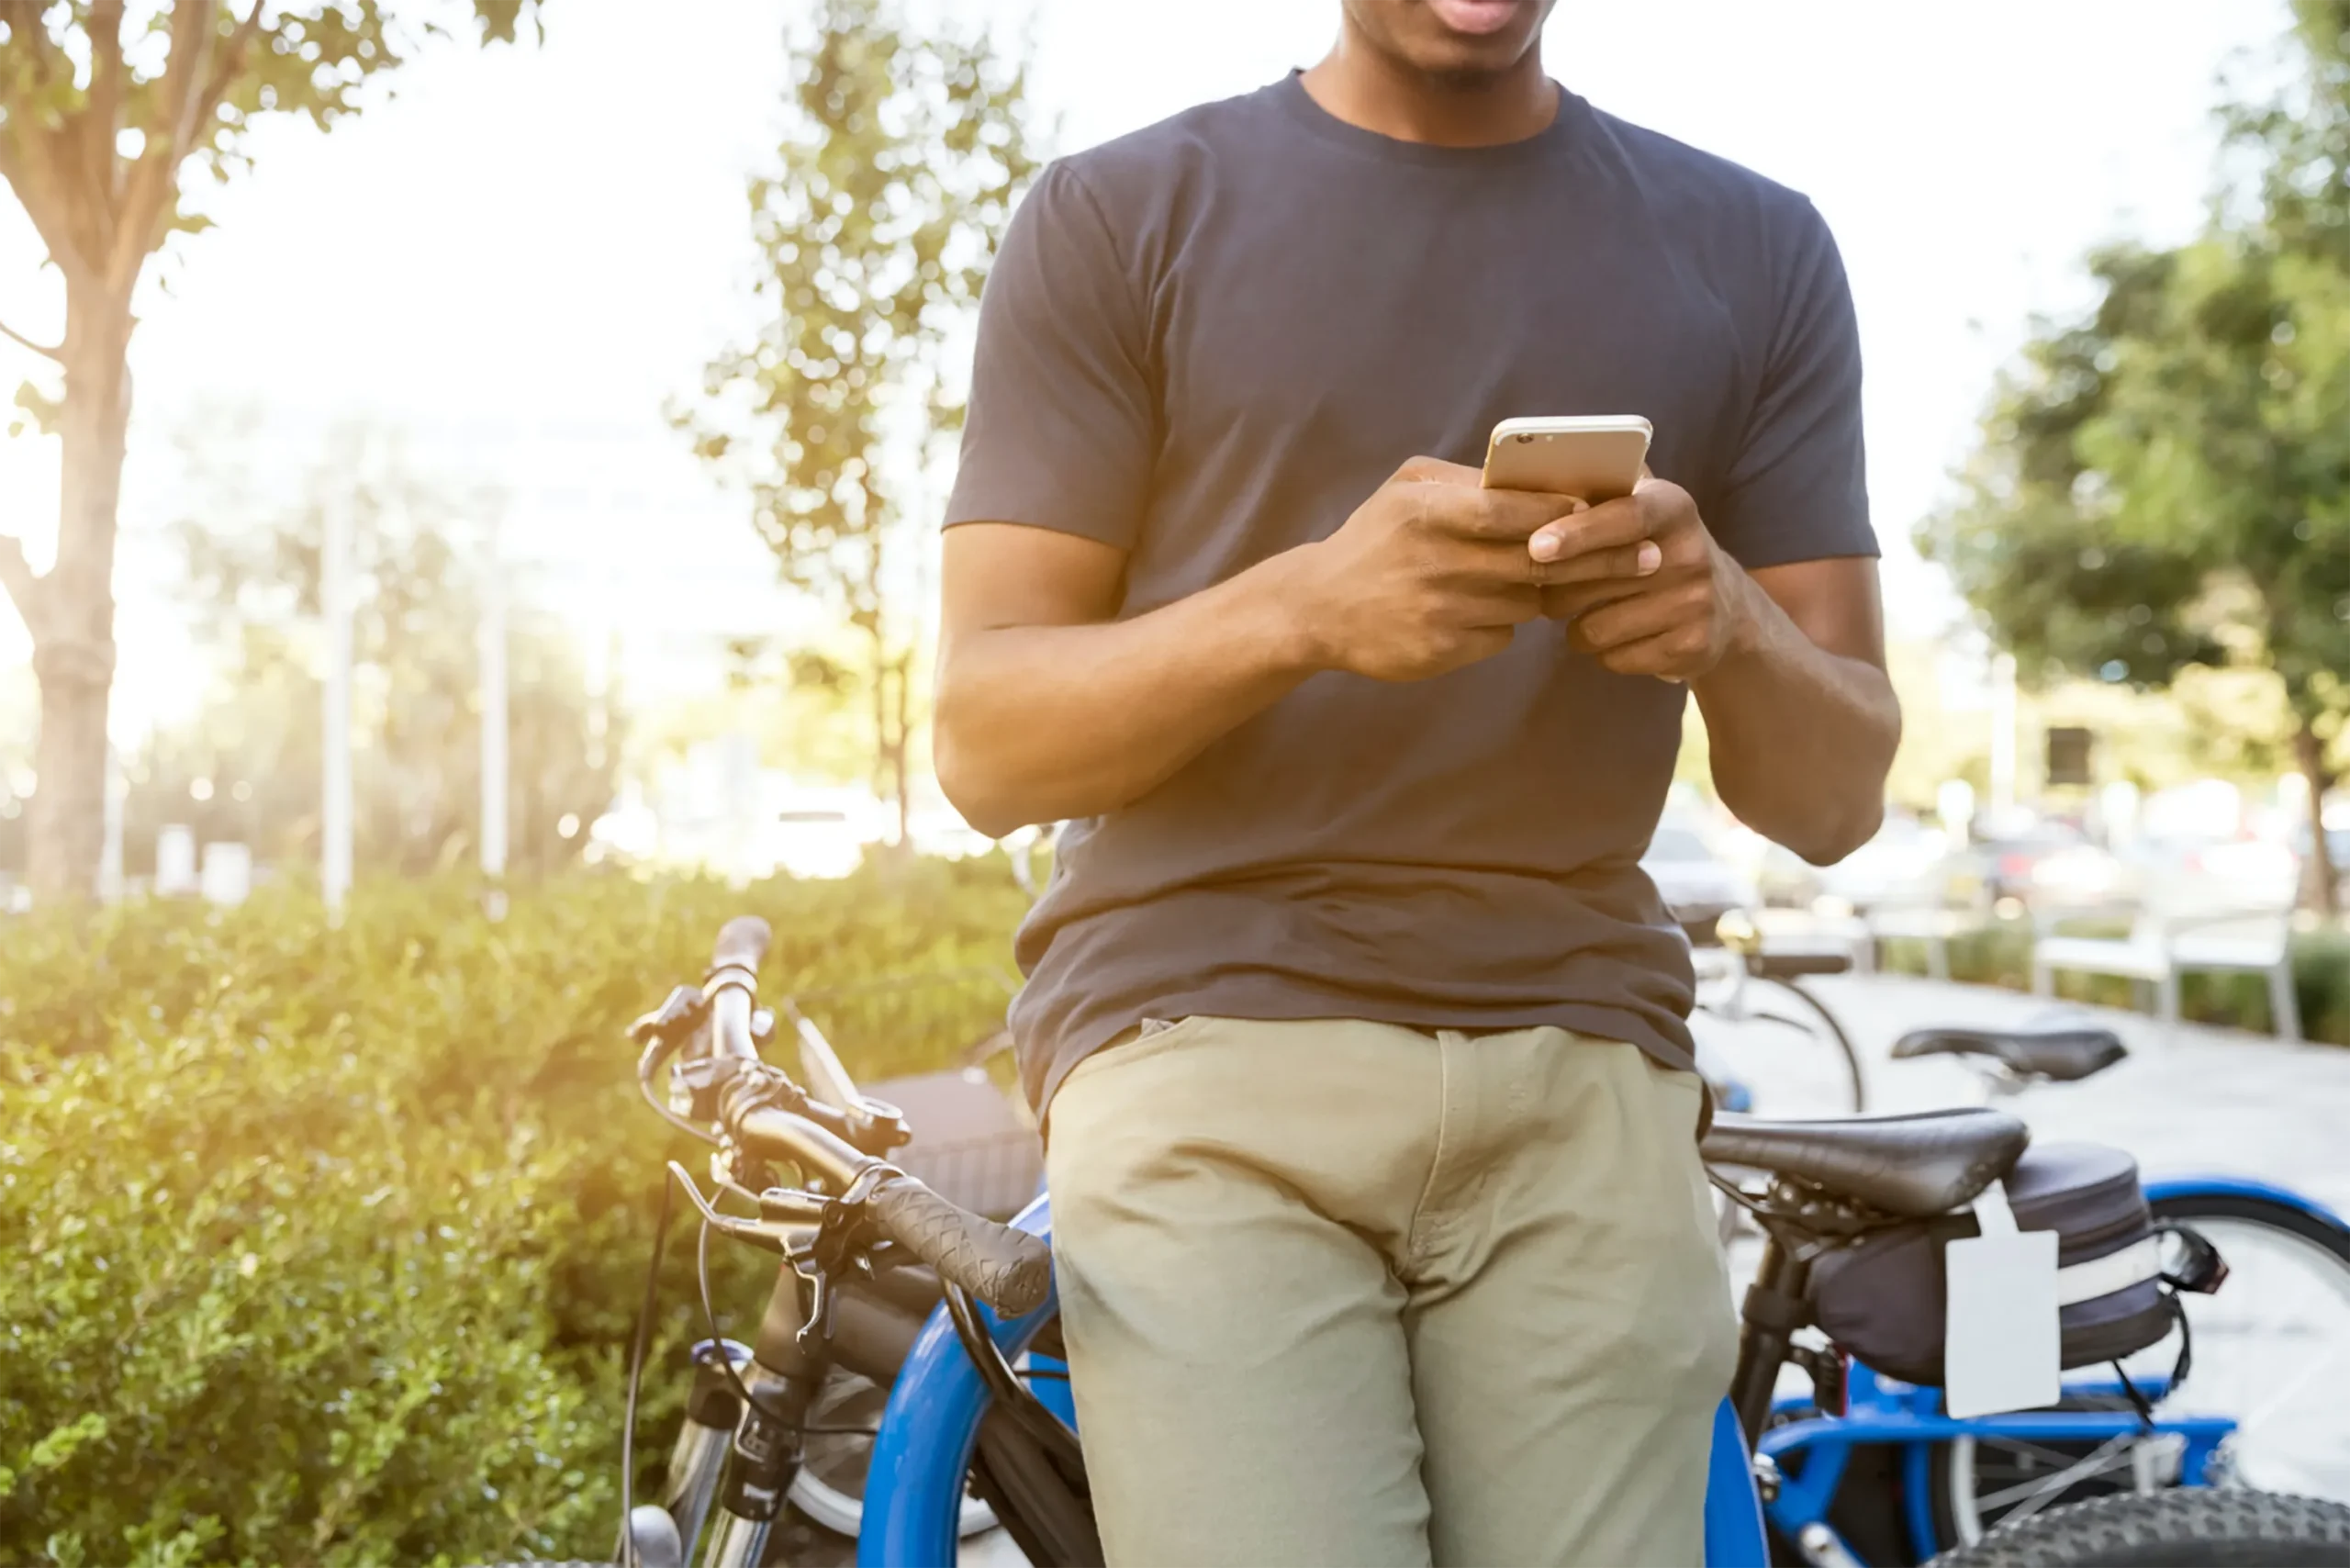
(759, 1233)
(676, 1018)
(834, 1250)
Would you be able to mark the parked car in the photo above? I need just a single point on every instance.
(1892, 866)
(2047, 862)
(1698, 885)
(1897, 866)
(2185, 870)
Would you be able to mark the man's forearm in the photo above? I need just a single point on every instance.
(1801, 738)
(1041, 723)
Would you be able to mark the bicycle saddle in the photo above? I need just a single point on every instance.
(1909, 1166)
(2063, 1056)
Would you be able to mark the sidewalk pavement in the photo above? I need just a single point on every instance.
(2188, 1100)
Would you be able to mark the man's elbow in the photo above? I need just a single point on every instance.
(974, 789)
(1835, 834)
(1823, 820)
(1845, 820)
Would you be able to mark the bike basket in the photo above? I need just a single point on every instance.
(1882, 1297)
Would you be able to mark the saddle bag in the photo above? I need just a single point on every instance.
(1883, 1296)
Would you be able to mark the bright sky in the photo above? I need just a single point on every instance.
(529, 250)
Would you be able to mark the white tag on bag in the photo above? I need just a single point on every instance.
(2002, 1340)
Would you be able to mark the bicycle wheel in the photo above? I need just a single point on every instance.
(1850, 1078)
(830, 1487)
(2202, 1526)
(2272, 1347)
(1779, 1045)
(2272, 1353)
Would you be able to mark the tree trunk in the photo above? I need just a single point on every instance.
(2318, 870)
(74, 649)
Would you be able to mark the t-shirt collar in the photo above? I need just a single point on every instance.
(1297, 104)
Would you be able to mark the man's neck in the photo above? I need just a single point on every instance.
(1362, 86)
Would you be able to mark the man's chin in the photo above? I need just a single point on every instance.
(1466, 70)
(1480, 19)
(1474, 40)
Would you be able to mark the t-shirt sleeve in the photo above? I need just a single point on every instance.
(1060, 431)
(1797, 490)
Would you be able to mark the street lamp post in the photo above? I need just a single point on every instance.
(335, 813)
(2003, 732)
(493, 713)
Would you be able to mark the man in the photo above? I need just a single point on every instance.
(1361, 1035)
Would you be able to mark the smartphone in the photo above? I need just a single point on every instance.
(1594, 458)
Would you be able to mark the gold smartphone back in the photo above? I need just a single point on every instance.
(1595, 458)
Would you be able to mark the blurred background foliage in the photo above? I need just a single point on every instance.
(342, 1229)
(2163, 481)
(245, 766)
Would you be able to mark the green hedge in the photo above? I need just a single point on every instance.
(2000, 954)
(325, 1242)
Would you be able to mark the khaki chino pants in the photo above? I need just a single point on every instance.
(1352, 1294)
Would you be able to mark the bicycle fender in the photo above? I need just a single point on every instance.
(1734, 1537)
(2241, 1187)
(913, 1489)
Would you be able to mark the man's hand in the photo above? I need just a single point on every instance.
(1684, 606)
(1433, 572)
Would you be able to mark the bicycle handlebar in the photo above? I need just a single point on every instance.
(734, 972)
(741, 943)
(1010, 1269)
(773, 1133)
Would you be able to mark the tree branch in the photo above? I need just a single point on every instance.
(24, 589)
(104, 125)
(224, 75)
(215, 82)
(41, 49)
(195, 98)
(57, 353)
(27, 153)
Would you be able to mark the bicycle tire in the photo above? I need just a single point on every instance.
(829, 1485)
(1854, 1074)
(2196, 1526)
(2254, 1210)
(1957, 1476)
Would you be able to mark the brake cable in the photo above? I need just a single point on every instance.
(629, 1558)
(726, 1363)
(1016, 1398)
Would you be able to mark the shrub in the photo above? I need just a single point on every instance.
(328, 1239)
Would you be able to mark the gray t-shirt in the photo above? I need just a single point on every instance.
(1207, 343)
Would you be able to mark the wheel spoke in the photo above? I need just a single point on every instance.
(2038, 1494)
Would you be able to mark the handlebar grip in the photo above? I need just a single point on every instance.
(1010, 1269)
(742, 941)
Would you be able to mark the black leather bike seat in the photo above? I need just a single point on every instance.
(2063, 1056)
(1908, 1166)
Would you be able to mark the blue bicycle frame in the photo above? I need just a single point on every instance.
(1880, 1410)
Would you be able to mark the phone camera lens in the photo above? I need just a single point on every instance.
(1525, 436)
